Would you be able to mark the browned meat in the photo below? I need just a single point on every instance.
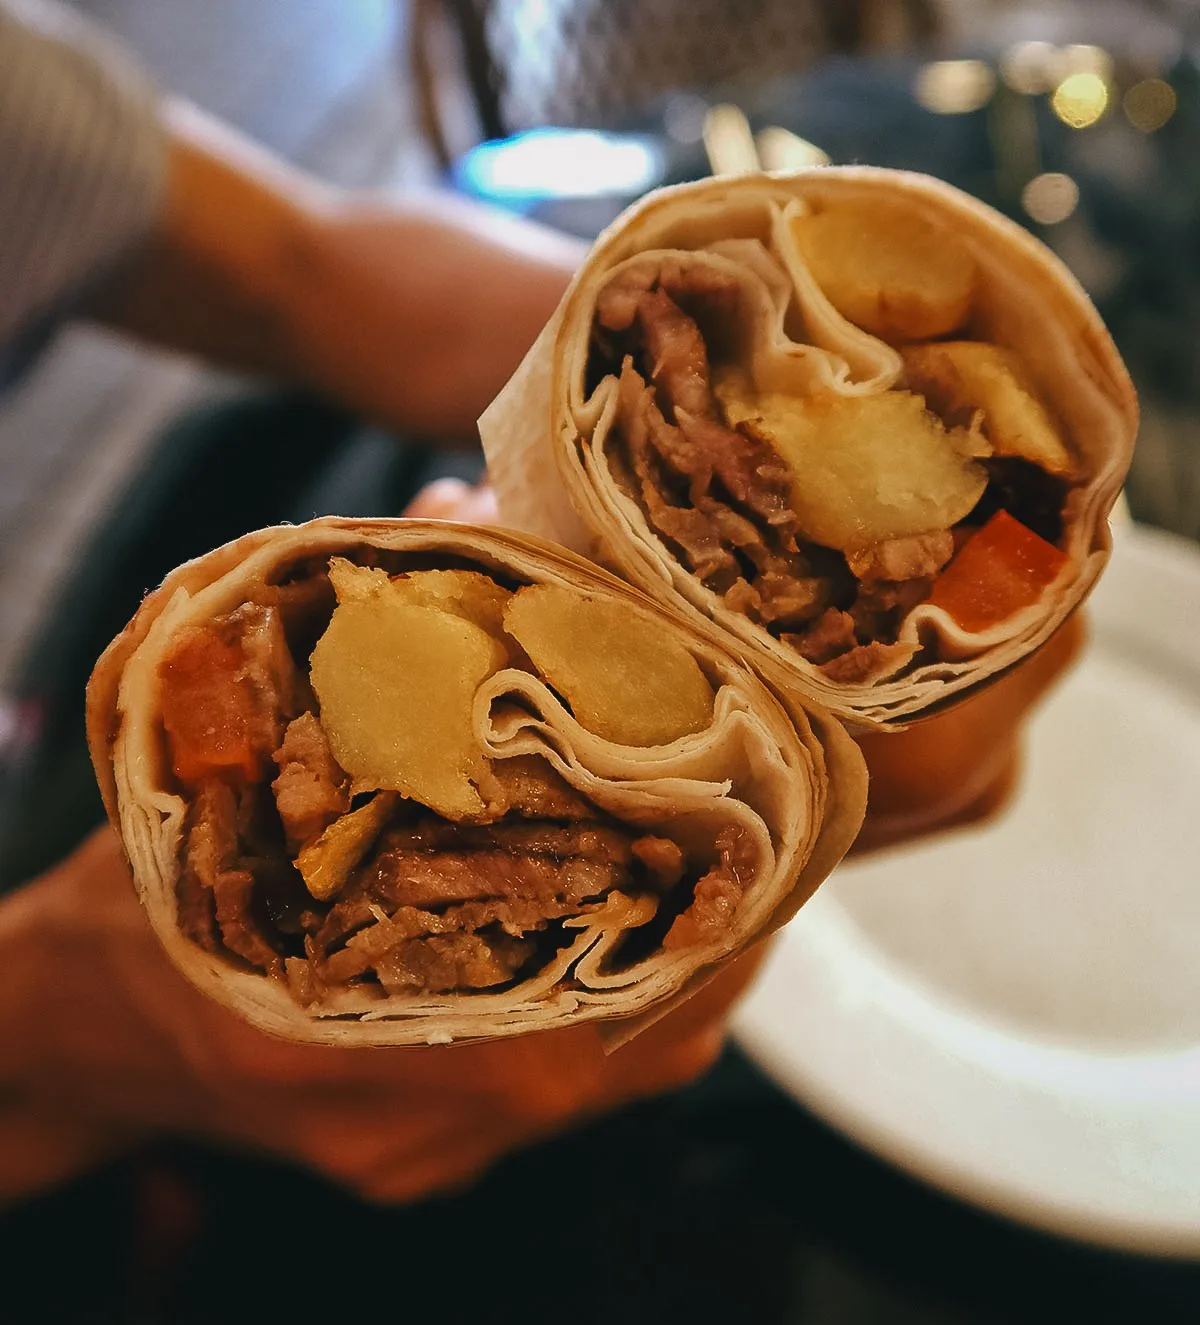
(896, 559)
(431, 879)
(241, 931)
(894, 576)
(707, 529)
(791, 599)
(675, 349)
(518, 875)
(721, 496)
(701, 447)
(515, 916)
(440, 862)
(695, 535)
(733, 528)
(661, 442)
(210, 841)
(748, 466)
(688, 527)
(717, 895)
(215, 892)
(530, 787)
(663, 858)
(311, 790)
(348, 915)
(439, 878)
(863, 661)
(432, 834)
(831, 635)
(744, 598)
(451, 961)
(692, 283)
(302, 980)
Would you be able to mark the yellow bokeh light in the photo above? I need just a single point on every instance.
(1080, 99)
(1050, 198)
(1148, 105)
(954, 87)
(1084, 59)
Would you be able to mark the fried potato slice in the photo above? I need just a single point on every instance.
(396, 682)
(625, 679)
(896, 275)
(326, 863)
(865, 468)
(961, 376)
(467, 593)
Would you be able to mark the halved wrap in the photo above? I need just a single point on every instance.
(405, 782)
(851, 417)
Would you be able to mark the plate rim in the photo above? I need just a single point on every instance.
(1136, 549)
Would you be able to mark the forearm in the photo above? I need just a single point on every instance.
(451, 295)
(412, 312)
(235, 233)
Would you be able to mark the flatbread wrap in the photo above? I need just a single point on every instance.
(851, 418)
(410, 782)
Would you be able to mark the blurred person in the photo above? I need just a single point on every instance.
(141, 212)
(148, 216)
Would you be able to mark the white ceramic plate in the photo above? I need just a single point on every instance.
(1013, 1012)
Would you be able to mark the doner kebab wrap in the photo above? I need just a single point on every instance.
(408, 782)
(853, 418)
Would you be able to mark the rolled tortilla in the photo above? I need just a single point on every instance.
(891, 364)
(409, 782)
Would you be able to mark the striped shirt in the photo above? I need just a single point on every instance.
(82, 166)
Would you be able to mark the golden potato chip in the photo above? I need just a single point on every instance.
(866, 467)
(959, 377)
(896, 275)
(396, 683)
(467, 593)
(325, 864)
(624, 677)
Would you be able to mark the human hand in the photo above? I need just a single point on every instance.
(960, 765)
(104, 1043)
(452, 499)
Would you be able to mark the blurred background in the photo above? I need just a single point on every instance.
(1078, 118)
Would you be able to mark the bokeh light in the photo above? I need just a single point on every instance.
(1050, 198)
(954, 87)
(1148, 105)
(1030, 67)
(1083, 59)
(780, 149)
(729, 141)
(1080, 99)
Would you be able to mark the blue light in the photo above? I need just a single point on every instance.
(561, 163)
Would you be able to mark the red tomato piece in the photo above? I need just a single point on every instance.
(211, 710)
(1002, 568)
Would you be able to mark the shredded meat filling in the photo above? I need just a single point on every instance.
(717, 895)
(721, 495)
(216, 892)
(432, 905)
(311, 791)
